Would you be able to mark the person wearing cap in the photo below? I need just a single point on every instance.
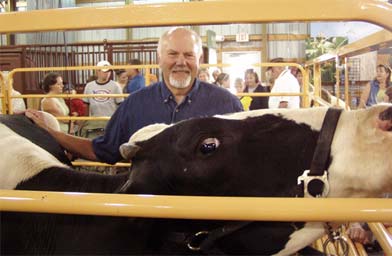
(178, 97)
(137, 81)
(101, 105)
(284, 82)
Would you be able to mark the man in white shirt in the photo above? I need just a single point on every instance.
(284, 82)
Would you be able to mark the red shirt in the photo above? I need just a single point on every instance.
(77, 106)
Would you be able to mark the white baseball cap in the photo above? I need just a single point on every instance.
(104, 63)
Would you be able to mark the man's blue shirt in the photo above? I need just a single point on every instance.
(156, 104)
(136, 83)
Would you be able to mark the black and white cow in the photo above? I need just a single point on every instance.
(260, 153)
(26, 164)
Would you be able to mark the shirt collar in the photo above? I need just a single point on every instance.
(283, 72)
(167, 95)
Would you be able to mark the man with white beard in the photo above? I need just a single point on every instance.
(178, 97)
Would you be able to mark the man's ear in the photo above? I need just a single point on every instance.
(159, 59)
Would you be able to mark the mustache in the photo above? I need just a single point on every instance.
(180, 68)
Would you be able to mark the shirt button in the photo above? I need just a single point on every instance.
(165, 101)
(189, 101)
(171, 97)
(177, 110)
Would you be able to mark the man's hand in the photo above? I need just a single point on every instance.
(43, 120)
(358, 234)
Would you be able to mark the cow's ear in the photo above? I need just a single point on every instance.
(129, 150)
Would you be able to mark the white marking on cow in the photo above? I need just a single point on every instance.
(147, 132)
(302, 238)
(361, 153)
(312, 116)
(308, 116)
(21, 159)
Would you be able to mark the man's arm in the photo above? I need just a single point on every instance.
(78, 146)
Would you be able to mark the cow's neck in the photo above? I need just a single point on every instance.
(315, 180)
(65, 179)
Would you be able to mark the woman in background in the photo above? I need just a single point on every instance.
(203, 75)
(53, 84)
(223, 80)
(374, 91)
(253, 85)
(122, 79)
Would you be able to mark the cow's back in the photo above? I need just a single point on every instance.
(27, 129)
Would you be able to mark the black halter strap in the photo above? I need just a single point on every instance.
(321, 157)
(204, 241)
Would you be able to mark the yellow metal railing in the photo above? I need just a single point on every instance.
(198, 13)
(189, 207)
(373, 42)
(303, 94)
(3, 94)
(49, 69)
(192, 13)
(383, 237)
(219, 208)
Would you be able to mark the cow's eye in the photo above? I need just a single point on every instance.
(209, 145)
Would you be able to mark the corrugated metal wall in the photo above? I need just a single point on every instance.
(232, 29)
(284, 48)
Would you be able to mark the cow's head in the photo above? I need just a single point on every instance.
(259, 153)
(216, 156)
(239, 155)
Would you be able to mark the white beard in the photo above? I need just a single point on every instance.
(180, 84)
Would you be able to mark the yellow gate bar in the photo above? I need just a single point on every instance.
(383, 237)
(2, 94)
(198, 12)
(222, 208)
(373, 42)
